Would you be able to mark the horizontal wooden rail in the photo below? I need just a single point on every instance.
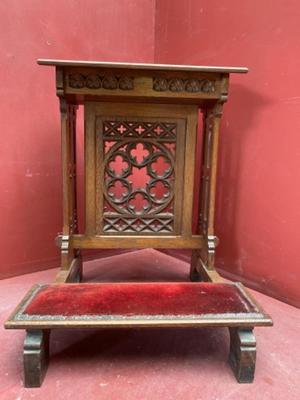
(127, 242)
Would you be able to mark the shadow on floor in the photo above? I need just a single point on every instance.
(139, 266)
(115, 345)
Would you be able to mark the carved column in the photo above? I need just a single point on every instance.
(204, 259)
(68, 145)
(68, 155)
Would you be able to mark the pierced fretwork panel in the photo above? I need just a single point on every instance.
(138, 176)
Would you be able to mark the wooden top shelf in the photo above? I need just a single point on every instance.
(141, 66)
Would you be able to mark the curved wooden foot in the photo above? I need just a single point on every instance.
(35, 357)
(242, 354)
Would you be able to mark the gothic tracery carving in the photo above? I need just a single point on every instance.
(139, 176)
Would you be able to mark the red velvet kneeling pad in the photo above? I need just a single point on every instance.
(130, 299)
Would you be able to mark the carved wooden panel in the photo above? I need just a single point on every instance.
(191, 85)
(138, 188)
(139, 172)
(97, 81)
(194, 87)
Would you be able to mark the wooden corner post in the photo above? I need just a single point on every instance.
(70, 258)
(203, 260)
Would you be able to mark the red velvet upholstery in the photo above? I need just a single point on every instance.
(138, 299)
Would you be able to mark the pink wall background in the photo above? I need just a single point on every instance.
(258, 197)
(30, 201)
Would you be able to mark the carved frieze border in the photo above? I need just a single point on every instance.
(112, 82)
(192, 85)
(95, 81)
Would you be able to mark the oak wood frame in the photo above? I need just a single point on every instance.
(204, 242)
(179, 91)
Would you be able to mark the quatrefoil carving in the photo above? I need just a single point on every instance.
(138, 176)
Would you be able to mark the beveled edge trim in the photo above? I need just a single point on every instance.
(253, 301)
(23, 303)
(218, 320)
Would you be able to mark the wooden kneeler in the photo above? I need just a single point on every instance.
(141, 135)
(117, 305)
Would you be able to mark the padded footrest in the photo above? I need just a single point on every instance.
(139, 304)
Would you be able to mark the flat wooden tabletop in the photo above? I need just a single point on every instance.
(166, 67)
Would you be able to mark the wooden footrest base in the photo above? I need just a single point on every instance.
(107, 305)
(138, 304)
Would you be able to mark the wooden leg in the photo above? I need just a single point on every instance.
(242, 354)
(73, 274)
(79, 273)
(194, 273)
(199, 271)
(35, 357)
